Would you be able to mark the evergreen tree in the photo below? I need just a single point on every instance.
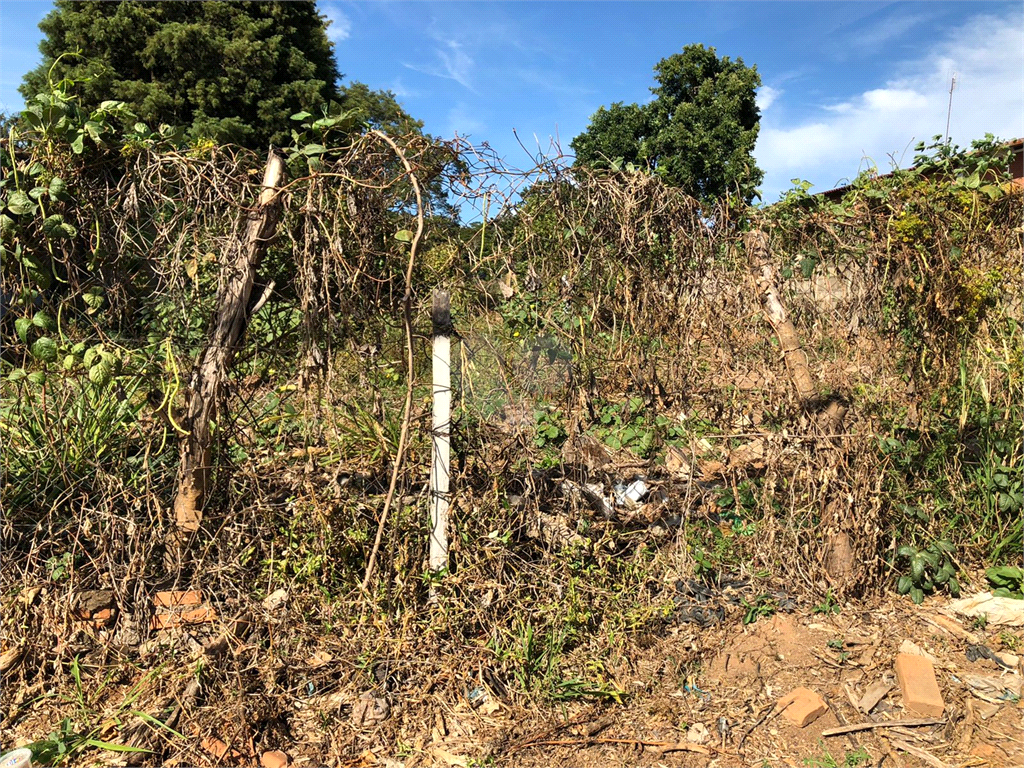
(697, 134)
(231, 71)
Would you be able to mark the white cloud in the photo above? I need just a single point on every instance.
(453, 63)
(339, 26)
(881, 123)
(766, 96)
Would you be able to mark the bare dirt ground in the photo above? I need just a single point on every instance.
(694, 696)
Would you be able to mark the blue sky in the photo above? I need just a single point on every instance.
(845, 84)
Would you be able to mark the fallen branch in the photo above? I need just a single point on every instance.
(882, 724)
(664, 746)
(928, 757)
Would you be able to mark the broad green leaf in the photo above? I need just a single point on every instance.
(22, 326)
(404, 235)
(42, 320)
(17, 375)
(906, 551)
(904, 584)
(78, 143)
(45, 349)
(301, 115)
(100, 373)
(7, 224)
(20, 203)
(69, 362)
(917, 595)
(37, 378)
(917, 568)
(58, 189)
(56, 228)
(954, 587)
(36, 192)
(313, 149)
(93, 129)
(94, 298)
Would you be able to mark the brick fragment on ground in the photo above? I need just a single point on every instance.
(274, 759)
(202, 615)
(802, 706)
(219, 749)
(920, 688)
(177, 599)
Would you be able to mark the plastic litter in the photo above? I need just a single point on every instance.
(630, 494)
(18, 758)
(1005, 611)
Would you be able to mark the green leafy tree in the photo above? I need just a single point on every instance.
(698, 133)
(233, 72)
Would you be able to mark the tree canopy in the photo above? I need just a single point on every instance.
(233, 72)
(698, 133)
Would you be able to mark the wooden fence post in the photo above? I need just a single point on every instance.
(230, 321)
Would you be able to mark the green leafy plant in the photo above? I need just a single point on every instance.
(930, 568)
(1007, 581)
(549, 428)
(65, 743)
(762, 607)
(828, 606)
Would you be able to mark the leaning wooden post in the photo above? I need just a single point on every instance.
(440, 467)
(226, 332)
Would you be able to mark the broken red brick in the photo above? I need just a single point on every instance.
(218, 748)
(802, 706)
(920, 688)
(202, 615)
(177, 599)
(274, 759)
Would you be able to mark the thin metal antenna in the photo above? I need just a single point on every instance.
(949, 109)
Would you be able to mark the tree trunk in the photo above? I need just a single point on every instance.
(230, 321)
(839, 557)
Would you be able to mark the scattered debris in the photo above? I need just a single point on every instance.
(749, 456)
(591, 494)
(177, 599)
(872, 696)
(203, 615)
(17, 758)
(219, 749)
(698, 733)
(1005, 660)
(274, 759)
(629, 495)
(920, 688)
(96, 606)
(998, 611)
(9, 658)
(275, 599)
(882, 724)
(802, 706)
(997, 690)
(912, 648)
(370, 710)
(677, 462)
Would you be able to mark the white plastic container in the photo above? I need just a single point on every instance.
(18, 758)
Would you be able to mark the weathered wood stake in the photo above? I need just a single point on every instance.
(440, 467)
(229, 324)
